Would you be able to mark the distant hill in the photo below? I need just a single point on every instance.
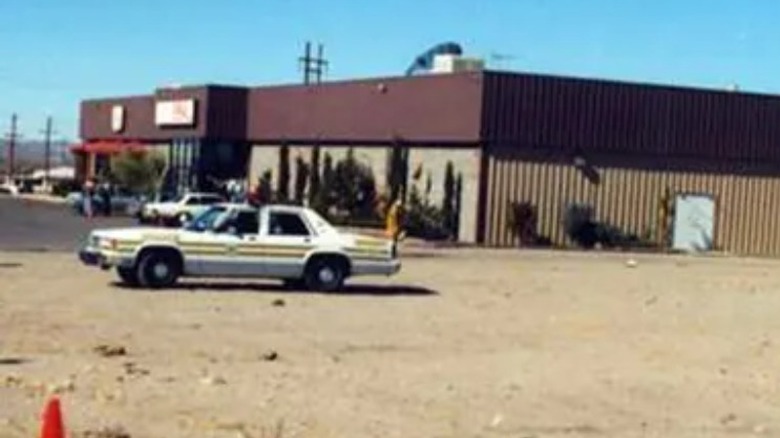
(31, 153)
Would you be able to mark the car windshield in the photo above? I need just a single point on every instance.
(208, 220)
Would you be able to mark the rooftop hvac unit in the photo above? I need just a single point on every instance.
(454, 64)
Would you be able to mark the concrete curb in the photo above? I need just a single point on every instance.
(41, 198)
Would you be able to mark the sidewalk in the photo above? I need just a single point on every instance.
(35, 197)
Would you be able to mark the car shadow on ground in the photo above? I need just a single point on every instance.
(348, 289)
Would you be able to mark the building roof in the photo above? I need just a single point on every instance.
(498, 110)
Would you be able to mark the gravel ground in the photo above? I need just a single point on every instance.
(470, 343)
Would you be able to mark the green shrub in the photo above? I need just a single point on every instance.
(283, 186)
(138, 172)
(301, 179)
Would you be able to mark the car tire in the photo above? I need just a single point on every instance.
(128, 276)
(158, 269)
(325, 274)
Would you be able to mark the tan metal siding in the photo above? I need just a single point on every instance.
(747, 213)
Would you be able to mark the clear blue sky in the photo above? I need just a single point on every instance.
(57, 52)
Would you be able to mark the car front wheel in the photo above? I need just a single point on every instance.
(129, 276)
(158, 269)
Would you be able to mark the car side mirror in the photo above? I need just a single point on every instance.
(232, 230)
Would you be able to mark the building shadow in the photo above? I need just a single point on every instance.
(355, 289)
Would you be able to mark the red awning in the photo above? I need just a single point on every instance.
(108, 147)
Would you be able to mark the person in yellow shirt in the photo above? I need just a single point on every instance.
(393, 228)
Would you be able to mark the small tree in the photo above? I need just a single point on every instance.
(423, 219)
(283, 187)
(428, 186)
(266, 191)
(457, 205)
(314, 175)
(354, 187)
(397, 171)
(448, 201)
(139, 172)
(323, 196)
(301, 179)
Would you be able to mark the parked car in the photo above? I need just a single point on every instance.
(179, 210)
(290, 243)
(122, 203)
(7, 188)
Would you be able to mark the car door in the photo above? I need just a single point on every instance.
(249, 257)
(216, 253)
(212, 250)
(285, 239)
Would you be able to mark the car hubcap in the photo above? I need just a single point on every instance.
(327, 275)
(161, 270)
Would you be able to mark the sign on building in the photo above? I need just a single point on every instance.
(117, 118)
(175, 113)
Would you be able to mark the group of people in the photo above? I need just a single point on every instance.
(233, 190)
(96, 196)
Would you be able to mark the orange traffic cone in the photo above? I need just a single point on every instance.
(52, 426)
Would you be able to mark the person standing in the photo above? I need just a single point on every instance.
(89, 187)
(105, 198)
(393, 229)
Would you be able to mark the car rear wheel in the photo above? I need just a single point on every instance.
(326, 274)
(158, 269)
(129, 276)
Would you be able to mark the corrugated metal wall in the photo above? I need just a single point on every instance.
(747, 206)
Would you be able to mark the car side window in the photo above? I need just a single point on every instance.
(247, 223)
(193, 200)
(287, 224)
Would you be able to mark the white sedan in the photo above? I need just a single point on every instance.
(294, 244)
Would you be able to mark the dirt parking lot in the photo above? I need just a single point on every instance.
(470, 343)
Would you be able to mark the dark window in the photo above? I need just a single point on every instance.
(247, 223)
(287, 224)
(194, 200)
(211, 200)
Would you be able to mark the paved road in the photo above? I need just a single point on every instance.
(38, 226)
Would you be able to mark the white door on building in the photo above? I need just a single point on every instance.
(694, 222)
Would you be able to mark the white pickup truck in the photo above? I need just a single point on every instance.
(293, 244)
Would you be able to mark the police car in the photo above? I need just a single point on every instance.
(290, 243)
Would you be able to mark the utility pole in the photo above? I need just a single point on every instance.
(313, 66)
(11, 138)
(47, 132)
(320, 63)
(306, 61)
